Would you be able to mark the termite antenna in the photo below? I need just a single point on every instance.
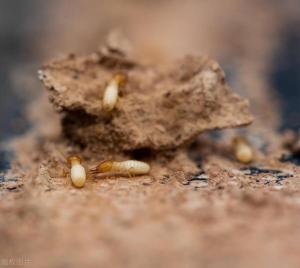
(93, 170)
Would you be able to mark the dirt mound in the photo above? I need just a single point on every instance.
(159, 108)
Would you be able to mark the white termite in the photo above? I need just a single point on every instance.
(111, 92)
(242, 150)
(78, 173)
(130, 167)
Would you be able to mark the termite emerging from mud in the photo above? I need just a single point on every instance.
(111, 92)
(78, 173)
(242, 150)
(129, 167)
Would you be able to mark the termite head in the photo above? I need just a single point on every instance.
(120, 79)
(105, 166)
(237, 140)
(74, 160)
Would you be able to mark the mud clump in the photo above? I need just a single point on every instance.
(160, 108)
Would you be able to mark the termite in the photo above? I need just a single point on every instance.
(78, 173)
(111, 92)
(242, 150)
(130, 167)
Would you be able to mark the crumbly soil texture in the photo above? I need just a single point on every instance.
(197, 207)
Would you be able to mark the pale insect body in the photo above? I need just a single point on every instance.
(243, 150)
(131, 167)
(78, 173)
(134, 167)
(110, 96)
(111, 92)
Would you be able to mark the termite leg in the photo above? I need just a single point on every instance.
(130, 174)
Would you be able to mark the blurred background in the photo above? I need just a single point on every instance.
(256, 42)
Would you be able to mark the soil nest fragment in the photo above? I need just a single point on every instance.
(159, 108)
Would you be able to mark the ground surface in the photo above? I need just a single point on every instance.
(225, 215)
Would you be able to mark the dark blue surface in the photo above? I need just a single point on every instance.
(5, 158)
(16, 34)
(286, 77)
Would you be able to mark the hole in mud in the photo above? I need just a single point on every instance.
(78, 116)
(142, 154)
